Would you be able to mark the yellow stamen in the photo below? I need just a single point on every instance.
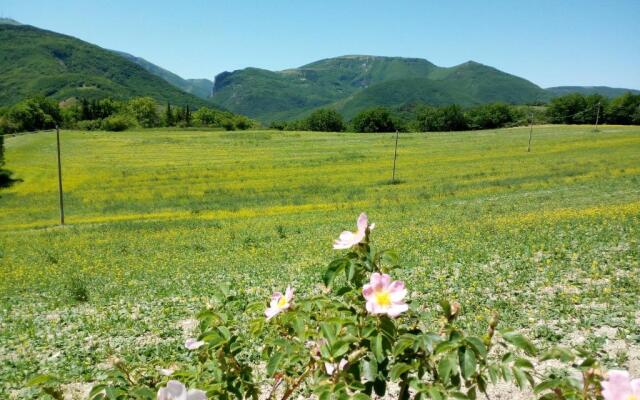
(632, 397)
(383, 298)
(282, 302)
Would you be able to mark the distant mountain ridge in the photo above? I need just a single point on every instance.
(351, 83)
(198, 87)
(35, 61)
(587, 90)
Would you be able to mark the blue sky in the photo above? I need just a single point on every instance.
(548, 42)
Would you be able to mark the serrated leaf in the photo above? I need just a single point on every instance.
(520, 342)
(477, 345)
(274, 362)
(378, 349)
(398, 369)
(446, 366)
(467, 362)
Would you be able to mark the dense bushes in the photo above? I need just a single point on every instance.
(321, 120)
(450, 118)
(118, 123)
(31, 114)
(377, 119)
(325, 120)
(580, 109)
(112, 115)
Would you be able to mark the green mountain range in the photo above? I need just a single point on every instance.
(39, 62)
(351, 83)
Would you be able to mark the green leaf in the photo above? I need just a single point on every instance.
(446, 346)
(546, 385)
(41, 379)
(328, 332)
(370, 369)
(388, 327)
(523, 363)
(477, 345)
(377, 349)
(435, 394)
(467, 362)
(446, 307)
(520, 342)
(340, 348)
(558, 353)
(398, 370)
(494, 372)
(274, 361)
(446, 366)
(520, 376)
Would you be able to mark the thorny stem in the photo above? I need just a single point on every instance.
(275, 387)
(298, 381)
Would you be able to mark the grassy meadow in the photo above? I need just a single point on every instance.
(158, 218)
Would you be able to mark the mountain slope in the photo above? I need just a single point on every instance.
(587, 90)
(38, 62)
(198, 87)
(351, 83)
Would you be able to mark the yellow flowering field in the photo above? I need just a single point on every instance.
(158, 219)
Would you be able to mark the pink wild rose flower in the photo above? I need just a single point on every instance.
(384, 296)
(349, 239)
(177, 391)
(620, 386)
(279, 303)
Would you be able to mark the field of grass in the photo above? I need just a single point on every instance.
(156, 219)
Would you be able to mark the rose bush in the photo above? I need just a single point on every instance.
(357, 338)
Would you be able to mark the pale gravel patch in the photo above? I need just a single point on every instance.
(76, 391)
(188, 326)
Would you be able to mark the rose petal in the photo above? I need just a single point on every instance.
(193, 344)
(288, 294)
(271, 312)
(396, 309)
(363, 222)
(397, 292)
(367, 291)
(196, 394)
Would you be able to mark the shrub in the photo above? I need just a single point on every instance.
(490, 116)
(374, 120)
(89, 125)
(325, 120)
(144, 110)
(351, 340)
(448, 118)
(118, 123)
(33, 114)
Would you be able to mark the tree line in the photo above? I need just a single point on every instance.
(117, 115)
(38, 113)
(569, 109)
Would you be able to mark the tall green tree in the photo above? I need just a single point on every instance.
(144, 110)
(377, 119)
(169, 120)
